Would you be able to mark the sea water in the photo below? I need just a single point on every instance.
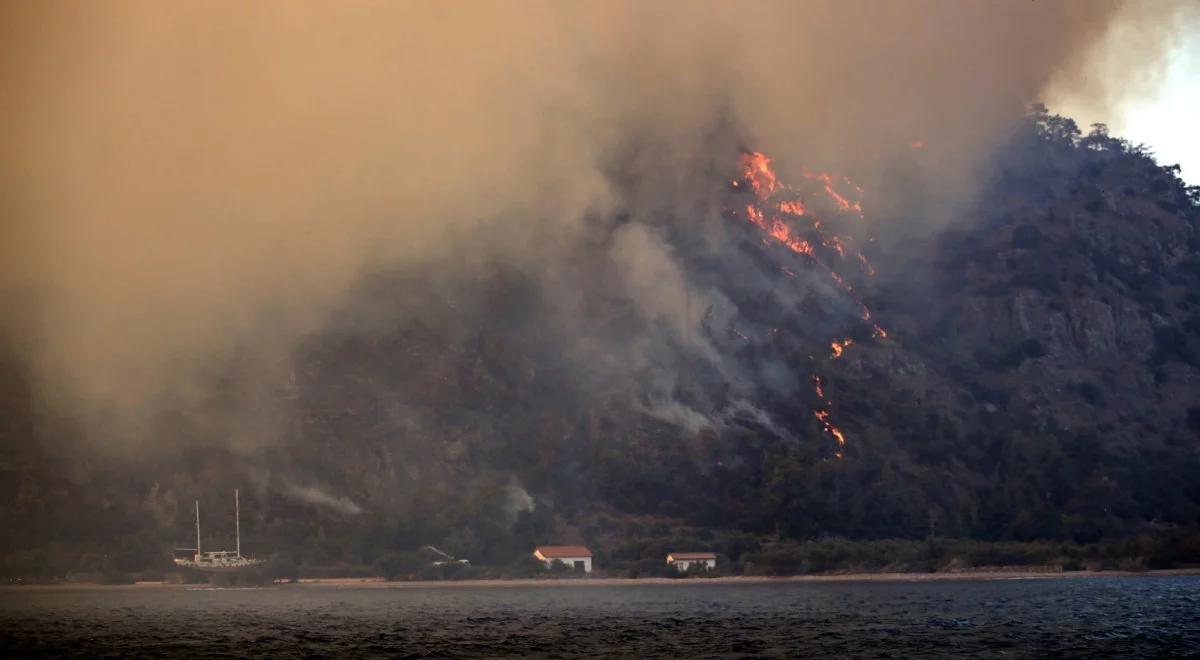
(1138, 616)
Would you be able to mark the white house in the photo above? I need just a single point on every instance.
(574, 556)
(684, 560)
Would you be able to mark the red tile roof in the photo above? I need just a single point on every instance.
(559, 551)
(691, 556)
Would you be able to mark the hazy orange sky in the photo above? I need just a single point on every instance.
(189, 181)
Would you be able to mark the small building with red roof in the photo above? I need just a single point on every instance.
(574, 556)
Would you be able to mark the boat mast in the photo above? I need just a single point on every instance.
(197, 529)
(237, 517)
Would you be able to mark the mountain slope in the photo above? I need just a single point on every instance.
(727, 365)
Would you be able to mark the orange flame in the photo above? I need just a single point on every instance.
(866, 264)
(835, 243)
(827, 181)
(759, 172)
(779, 230)
(769, 217)
(823, 416)
(840, 346)
(794, 207)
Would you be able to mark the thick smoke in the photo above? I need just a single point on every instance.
(191, 187)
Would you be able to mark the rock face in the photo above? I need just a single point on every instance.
(1066, 316)
(1080, 306)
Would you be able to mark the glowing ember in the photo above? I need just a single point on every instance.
(827, 181)
(835, 243)
(794, 207)
(866, 264)
(823, 416)
(839, 346)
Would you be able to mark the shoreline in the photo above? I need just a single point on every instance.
(869, 578)
(965, 576)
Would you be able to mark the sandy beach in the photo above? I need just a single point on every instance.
(381, 583)
(848, 577)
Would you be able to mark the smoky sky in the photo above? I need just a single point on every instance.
(191, 183)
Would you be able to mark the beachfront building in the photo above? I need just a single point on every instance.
(685, 560)
(574, 556)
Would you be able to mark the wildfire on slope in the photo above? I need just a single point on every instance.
(840, 346)
(827, 180)
(822, 414)
(866, 264)
(778, 210)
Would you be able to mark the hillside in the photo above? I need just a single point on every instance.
(728, 368)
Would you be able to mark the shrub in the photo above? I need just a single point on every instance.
(397, 565)
(1169, 207)
(112, 577)
(1193, 418)
(1026, 237)
(1090, 392)
(1033, 348)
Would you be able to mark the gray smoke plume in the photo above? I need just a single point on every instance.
(191, 187)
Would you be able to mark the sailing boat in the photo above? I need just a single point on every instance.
(220, 561)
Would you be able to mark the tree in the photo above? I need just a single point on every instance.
(1026, 237)
(1054, 127)
(1099, 140)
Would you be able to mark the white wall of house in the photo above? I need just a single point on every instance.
(571, 562)
(684, 564)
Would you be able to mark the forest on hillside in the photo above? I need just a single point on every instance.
(1026, 390)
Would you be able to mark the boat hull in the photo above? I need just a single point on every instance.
(204, 568)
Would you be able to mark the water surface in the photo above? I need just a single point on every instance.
(1151, 616)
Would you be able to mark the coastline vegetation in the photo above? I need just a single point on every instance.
(1172, 549)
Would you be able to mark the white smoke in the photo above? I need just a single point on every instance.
(516, 500)
(318, 497)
